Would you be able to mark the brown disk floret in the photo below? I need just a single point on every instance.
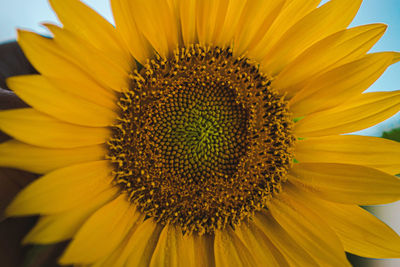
(202, 140)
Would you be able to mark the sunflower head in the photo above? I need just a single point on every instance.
(202, 139)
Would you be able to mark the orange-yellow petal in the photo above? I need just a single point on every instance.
(361, 233)
(39, 93)
(105, 69)
(143, 243)
(102, 232)
(356, 114)
(378, 153)
(62, 189)
(230, 250)
(346, 183)
(35, 128)
(59, 227)
(265, 253)
(335, 50)
(321, 242)
(257, 17)
(90, 26)
(340, 84)
(36, 159)
(334, 16)
(294, 253)
(156, 20)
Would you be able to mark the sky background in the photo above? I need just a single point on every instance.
(28, 14)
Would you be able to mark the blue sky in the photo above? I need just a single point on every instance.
(29, 14)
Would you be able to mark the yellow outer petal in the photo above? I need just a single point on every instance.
(231, 23)
(62, 189)
(265, 253)
(229, 250)
(91, 92)
(334, 16)
(119, 256)
(102, 232)
(142, 243)
(292, 12)
(360, 232)
(336, 49)
(35, 159)
(356, 114)
(39, 93)
(203, 249)
(210, 16)
(345, 183)
(90, 26)
(100, 66)
(378, 153)
(168, 249)
(127, 28)
(35, 128)
(44, 55)
(293, 252)
(257, 17)
(336, 86)
(321, 242)
(187, 14)
(156, 20)
(58, 227)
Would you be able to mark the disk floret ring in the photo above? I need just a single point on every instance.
(202, 140)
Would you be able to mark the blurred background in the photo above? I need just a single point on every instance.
(28, 14)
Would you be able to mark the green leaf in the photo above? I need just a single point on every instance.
(392, 135)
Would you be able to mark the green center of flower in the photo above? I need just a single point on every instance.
(202, 139)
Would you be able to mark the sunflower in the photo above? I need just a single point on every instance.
(205, 133)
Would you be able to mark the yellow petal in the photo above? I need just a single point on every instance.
(62, 189)
(200, 250)
(338, 48)
(321, 242)
(293, 252)
(119, 256)
(90, 26)
(334, 16)
(168, 249)
(265, 253)
(92, 92)
(58, 227)
(345, 183)
(396, 58)
(35, 128)
(156, 20)
(44, 54)
(187, 14)
(361, 233)
(104, 68)
(292, 12)
(257, 17)
(356, 114)
(336, 86)
(143, 243)
(39, 93)
(137, 44)
(188, 251)
(102, 232)
(378, 153)
(35, 159)
(229, 28)
(210, 17)
(230, 250)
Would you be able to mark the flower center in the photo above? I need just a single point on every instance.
(202, 140)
